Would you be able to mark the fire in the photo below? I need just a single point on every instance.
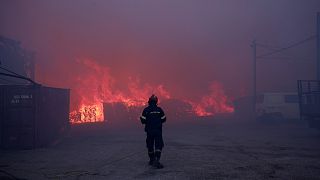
(87, 113)
(95, 86)
(215, 102)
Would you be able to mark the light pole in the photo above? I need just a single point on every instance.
(318, 46)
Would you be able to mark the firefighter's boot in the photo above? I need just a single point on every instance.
(157, 163)
(151, 157)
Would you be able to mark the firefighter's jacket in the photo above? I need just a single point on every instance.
(153, 117)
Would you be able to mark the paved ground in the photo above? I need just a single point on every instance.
(202, 150)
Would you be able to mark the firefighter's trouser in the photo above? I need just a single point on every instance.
(154, 144)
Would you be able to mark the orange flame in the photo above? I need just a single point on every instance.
(96, 86)
(215, 102)
(87, 113)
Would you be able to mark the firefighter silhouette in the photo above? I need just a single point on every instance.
(153, 117)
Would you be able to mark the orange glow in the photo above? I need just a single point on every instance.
(215, 102)
(93, 113)
(96, 86)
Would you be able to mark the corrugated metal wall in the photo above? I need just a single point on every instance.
(32, 116)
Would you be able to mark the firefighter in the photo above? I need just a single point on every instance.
(153, 117)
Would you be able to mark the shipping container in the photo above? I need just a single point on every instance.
(32, 115)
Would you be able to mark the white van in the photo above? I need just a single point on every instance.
(277, 106)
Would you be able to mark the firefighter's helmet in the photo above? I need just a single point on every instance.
(153, 99)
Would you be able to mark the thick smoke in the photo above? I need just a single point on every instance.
(182, 45)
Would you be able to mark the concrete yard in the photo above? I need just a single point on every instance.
(210, 149)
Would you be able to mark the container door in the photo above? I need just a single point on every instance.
(19, 117)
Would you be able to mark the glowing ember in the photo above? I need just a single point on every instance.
(85, 114)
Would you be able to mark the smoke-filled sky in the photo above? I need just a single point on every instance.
(184, 45)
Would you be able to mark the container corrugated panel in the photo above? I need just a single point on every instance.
(18, 138)
(19, 106)
(32, 116)
(52, 114)
(17, 116)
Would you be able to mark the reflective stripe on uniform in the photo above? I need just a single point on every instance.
(155, 112)
(158, 150)
(143, 117)
(163, 117)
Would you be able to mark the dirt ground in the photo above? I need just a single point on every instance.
(217, 149)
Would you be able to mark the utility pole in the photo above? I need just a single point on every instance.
(318, 46)
(254, 68)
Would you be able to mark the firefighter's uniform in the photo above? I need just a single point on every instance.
(153, 117)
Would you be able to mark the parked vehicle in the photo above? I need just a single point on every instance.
(277, 106)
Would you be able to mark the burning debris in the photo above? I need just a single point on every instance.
(96, 86)
(87, 114)
(215, 102)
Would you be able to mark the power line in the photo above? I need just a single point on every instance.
(267, 46)
(288, 47)
(288, 58)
